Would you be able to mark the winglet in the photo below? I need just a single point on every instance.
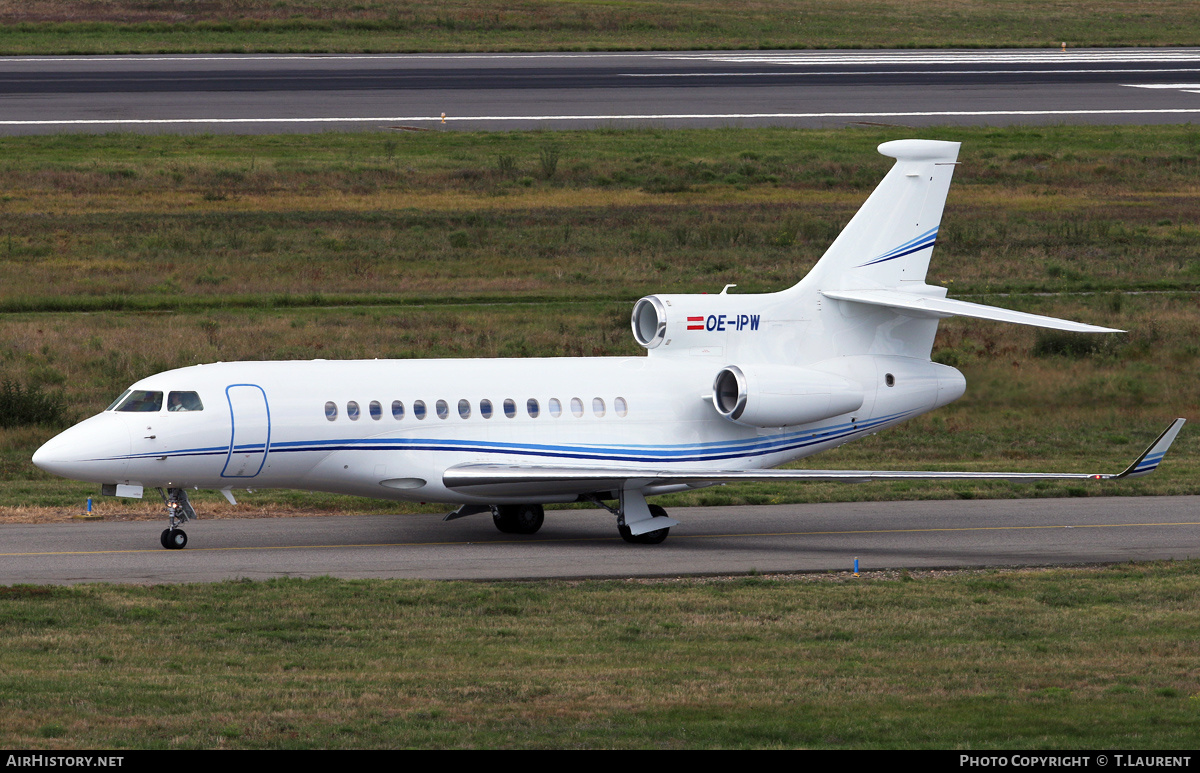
(1149, 460)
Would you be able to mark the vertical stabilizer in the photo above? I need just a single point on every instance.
(889, 242)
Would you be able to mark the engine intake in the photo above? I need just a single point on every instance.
(649, 322)
(782, 395)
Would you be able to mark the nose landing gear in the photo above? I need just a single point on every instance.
(179, 510)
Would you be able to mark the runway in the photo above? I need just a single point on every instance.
(583, 543)
(307, 93)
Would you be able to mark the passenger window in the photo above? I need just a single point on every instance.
(464, 409)
(352, 411)
(141, 401)
(485, 409)
(419, 410)
(397, 410)
(443, 410)
(376, 410)
(576, 407)
(620, 406)
(331, 410)
(531, 407)
(597, 406)
(555, 407)
(184, 401)
(510, 408)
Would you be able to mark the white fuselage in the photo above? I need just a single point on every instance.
(269, 425)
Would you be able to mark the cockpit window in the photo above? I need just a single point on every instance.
(119, 400)
(184, 401)
(141, 401)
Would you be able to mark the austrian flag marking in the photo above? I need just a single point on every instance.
(722, 322)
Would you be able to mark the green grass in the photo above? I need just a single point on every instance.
(1035, 659)
(131, 26)
(162, 223)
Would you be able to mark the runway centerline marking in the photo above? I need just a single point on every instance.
(612, 538)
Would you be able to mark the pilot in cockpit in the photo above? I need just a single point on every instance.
(184, 401)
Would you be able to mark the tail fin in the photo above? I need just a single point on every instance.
(867, 293)
(889, 242)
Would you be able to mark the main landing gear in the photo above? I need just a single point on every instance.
(518, 519)
(179, 510)
(637, 522)
(649, 537)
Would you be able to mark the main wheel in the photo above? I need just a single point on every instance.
(176, 539)
(654, 537)
(529, 519)
(650, 537)
(519, 519)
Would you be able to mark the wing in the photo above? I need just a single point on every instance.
(515, 480)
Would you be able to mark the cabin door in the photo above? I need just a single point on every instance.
(250, 439)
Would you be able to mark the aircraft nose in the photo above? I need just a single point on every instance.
(93, 450)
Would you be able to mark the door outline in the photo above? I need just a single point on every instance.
(266, 445)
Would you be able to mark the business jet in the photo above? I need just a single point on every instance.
(731, 386)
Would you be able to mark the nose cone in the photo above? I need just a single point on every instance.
(94, 450)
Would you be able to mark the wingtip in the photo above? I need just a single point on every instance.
(1150, 459)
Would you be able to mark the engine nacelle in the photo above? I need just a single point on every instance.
(678, 322)
(782, 395)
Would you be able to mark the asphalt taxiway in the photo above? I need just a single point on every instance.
(584, 543)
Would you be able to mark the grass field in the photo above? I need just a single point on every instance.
(1034, 659)
(123, 255)
(323, 26)
(123, 221)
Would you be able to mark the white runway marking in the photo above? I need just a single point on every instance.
(793, 73)
(626, 117)
(948, 57)
(1191, 88)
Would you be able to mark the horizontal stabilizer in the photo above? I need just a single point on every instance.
(514, 480)
(915, 305)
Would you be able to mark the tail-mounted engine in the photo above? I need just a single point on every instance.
(674, 322)
(782, 395)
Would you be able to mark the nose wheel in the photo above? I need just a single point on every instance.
(179, 510)
(173, 539)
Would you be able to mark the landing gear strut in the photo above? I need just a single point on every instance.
(518, 519)
(179, 510)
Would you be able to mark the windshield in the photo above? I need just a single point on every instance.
(119, 400)
(141, 401)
